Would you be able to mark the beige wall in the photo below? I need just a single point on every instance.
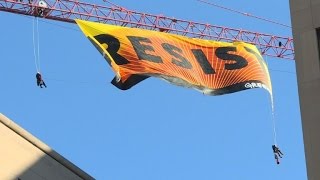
(27, 158)
(305, 17)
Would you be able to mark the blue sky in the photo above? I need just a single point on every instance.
(155, 130)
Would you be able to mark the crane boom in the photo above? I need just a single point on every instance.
(69, 10)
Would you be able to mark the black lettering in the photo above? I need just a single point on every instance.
(203, 61)
(100, 50)
(142, 48)
(113, 47)
(174, 51)
(222, 53)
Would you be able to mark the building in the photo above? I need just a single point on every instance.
(305, 17)
(24, 157)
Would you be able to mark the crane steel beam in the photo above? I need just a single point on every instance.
(69, 10)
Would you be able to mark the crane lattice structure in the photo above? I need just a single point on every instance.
(69, 10)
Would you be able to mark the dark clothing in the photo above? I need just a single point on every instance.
(38, 76)
(277, 159)
(40, 81)
(277, 153)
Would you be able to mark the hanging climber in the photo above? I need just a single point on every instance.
(40, 81)
(277, 153)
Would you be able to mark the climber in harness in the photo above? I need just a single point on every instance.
(40, 81)
(277, 153)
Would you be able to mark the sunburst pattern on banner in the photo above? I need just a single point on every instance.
(212, 67)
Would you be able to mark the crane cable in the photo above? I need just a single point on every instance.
(244, 13)
(36, 43)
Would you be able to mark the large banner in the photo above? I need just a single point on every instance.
(212, 67)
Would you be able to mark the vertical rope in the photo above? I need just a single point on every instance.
(38, 37)
(272, 111)
(273, 122)
(34, 44)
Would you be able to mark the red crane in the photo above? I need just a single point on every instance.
(68, 10)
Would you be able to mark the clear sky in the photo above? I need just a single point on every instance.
(154, 131)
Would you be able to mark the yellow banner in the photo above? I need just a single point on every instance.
(212, 67)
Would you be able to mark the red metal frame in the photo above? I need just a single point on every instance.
(68, 10)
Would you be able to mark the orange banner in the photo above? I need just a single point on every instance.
(212, 67)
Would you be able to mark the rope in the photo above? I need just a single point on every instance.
(38, 44)
(273, 122)
(272, 112)
(34, 45)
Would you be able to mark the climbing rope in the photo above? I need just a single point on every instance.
(272, 111)
(38, 34)
(273, 122)
(36, 44)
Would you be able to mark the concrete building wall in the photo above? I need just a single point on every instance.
(23, 157)
(305, 17)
